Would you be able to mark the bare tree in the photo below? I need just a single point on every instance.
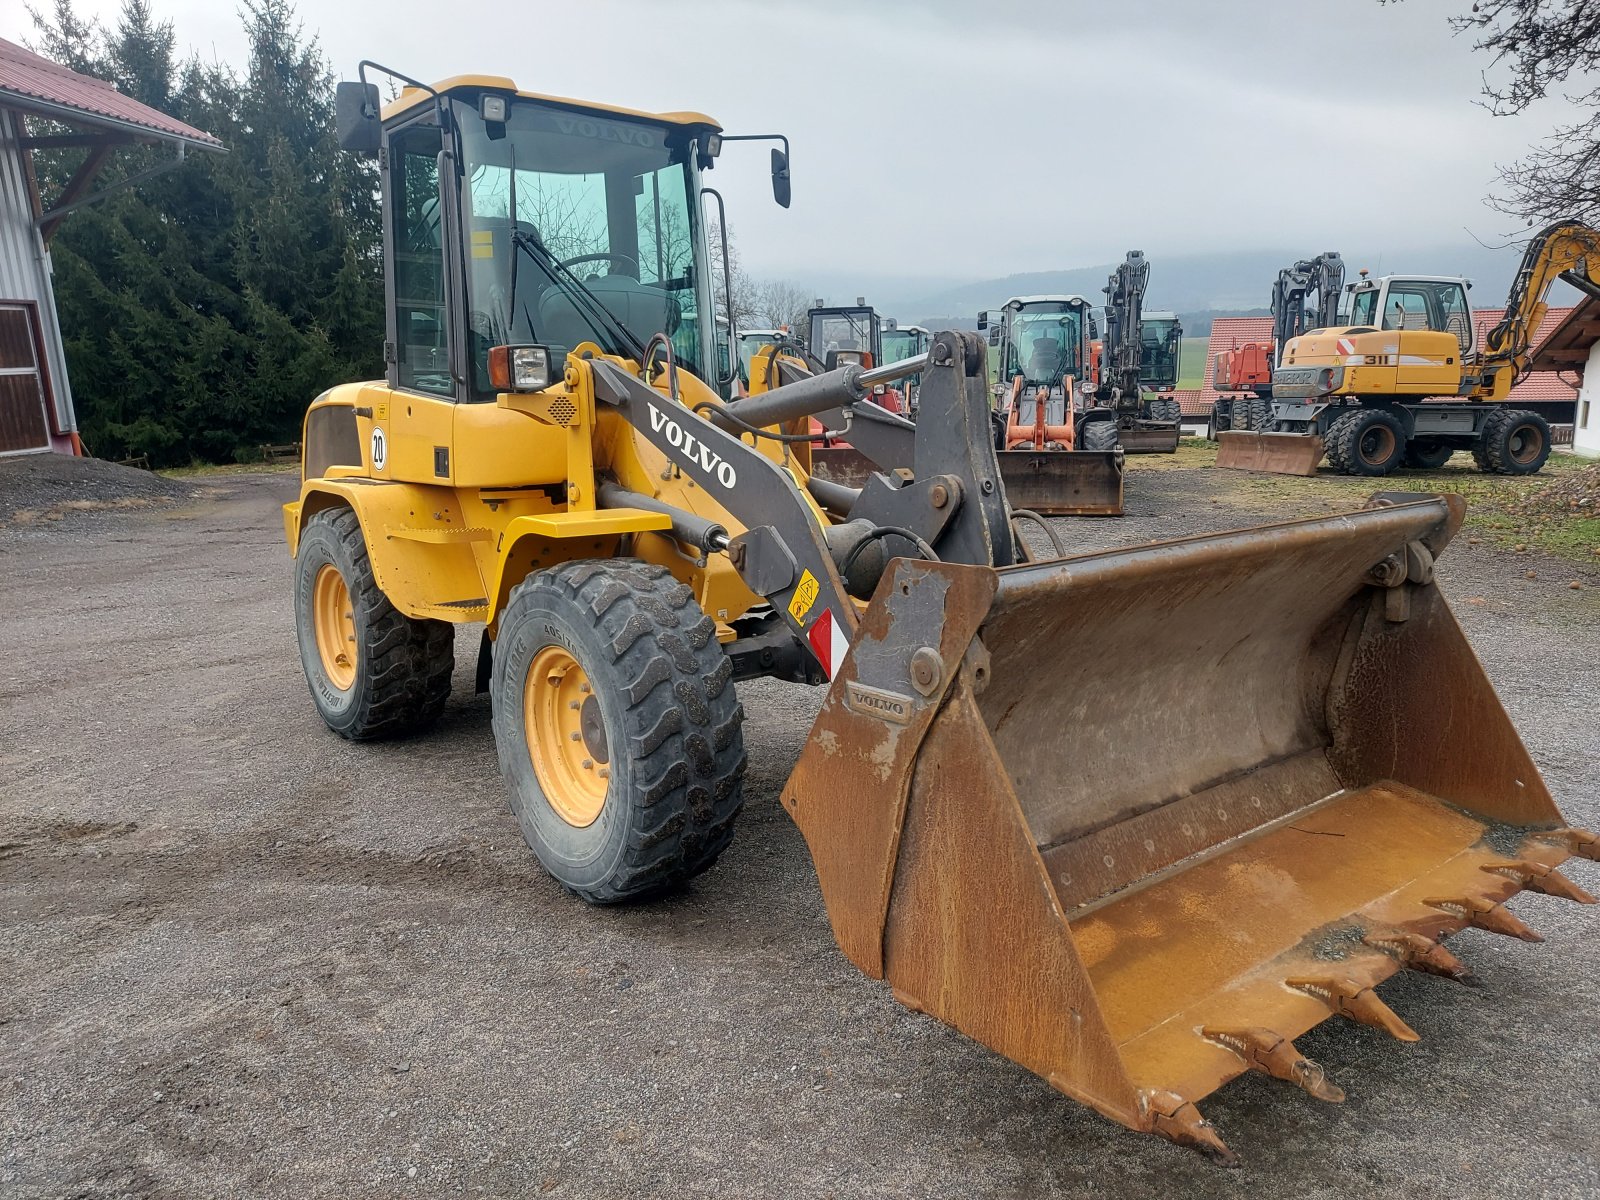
(1536, 47)
(777, 302)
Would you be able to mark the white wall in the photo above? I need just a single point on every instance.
(1586, 433)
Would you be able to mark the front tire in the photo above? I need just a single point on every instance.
(373, 671)
(1371, 442)
(1100, 435)
(617, 728)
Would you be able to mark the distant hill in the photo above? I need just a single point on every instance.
(1205, 285)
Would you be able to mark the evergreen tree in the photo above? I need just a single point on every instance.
(203, 309)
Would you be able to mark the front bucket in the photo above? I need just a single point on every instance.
(1138, 819)
(841, 464)
(1277, 453)
(1063, 483)
(1150, 438)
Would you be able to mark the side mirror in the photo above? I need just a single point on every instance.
(983, 320)
(357, 123)
(780, 178)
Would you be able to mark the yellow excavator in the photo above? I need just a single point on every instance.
(1067, 805)
(1357, 390)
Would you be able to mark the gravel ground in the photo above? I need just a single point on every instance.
(242, 957)
(39, 488)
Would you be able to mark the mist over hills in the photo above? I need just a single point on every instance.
(1233, 282)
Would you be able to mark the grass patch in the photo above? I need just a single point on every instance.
(201, 470)
(1192, 366)
(1537, 512)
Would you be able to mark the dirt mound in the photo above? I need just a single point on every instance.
(49, 487)
(1571, 491)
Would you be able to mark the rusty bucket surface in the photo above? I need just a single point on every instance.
(1138, 819)
(1151, 437)
(1275, 453)
(1063, 483)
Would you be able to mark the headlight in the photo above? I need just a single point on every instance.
(519, 368)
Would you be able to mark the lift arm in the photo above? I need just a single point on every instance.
(1566, 250)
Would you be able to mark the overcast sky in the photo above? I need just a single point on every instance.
(970, 140)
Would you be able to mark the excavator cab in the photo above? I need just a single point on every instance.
(1415, 302)
(1161, 334)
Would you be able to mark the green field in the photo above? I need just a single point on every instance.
(1192, 370)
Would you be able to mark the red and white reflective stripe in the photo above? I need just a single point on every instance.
(1346, 346)
(828, 642)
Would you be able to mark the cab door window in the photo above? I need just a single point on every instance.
(422, 330)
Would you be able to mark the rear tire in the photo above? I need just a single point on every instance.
(1371, 442)
(1166, 410)
(617, 728)
(1260, 414)
(1100, 435)
(1427, 455)
(1514, 441)
(374, 672)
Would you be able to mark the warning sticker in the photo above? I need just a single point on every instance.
(804, 596)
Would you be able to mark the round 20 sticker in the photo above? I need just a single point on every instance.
(380, 450)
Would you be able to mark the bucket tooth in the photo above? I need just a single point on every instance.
(1577, 841)
(1487, 915)
(1179, 1121)
(1417, 953)
(1537, 877)
(1351, 998)
(1273, 1054)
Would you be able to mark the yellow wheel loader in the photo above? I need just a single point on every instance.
(1066, 805)
(1363, 387)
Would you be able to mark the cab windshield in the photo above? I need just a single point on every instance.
(581, 227)
(841, 331)
(901, 343)
(1159, 345)
(1045, 344)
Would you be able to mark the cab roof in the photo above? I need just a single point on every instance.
(411, 97)
(1019, 301)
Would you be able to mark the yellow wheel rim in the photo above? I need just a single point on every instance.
(334, 618)
(566, 736)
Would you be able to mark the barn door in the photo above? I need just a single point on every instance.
(23, 424)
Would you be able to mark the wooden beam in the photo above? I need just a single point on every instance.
(76, 187)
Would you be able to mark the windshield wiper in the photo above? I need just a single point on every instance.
(559, 273)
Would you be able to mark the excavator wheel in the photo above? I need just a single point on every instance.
(1371, 442)
(1100, 435)
(1166, 410)
(1260, 411)
(1333, 440)
(617, 727)
(374, 672)
(1514, 441)
(1428, 455)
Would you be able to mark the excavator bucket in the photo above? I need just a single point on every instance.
(1139, 819)
(1063, 483)
(1276, 453)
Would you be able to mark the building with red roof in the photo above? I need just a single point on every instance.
(45, 106)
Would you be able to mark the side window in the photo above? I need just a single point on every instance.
(1361, 308)
(1457, 315)
(1406, 308)
(421, 328)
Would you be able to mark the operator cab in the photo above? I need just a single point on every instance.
(844, 335)
(1042, 338)
(1161, 346)
(1411, 302)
